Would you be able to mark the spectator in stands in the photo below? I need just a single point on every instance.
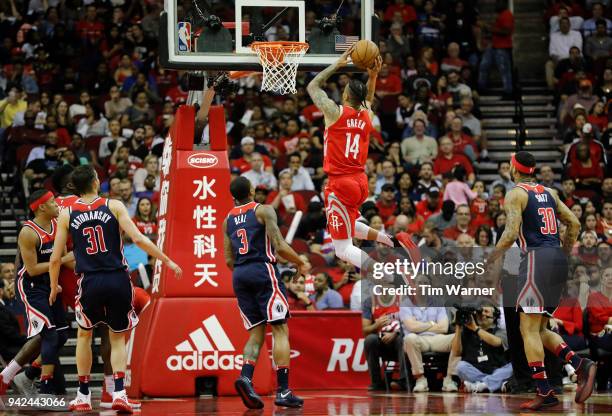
(141, 111)
(587, 172)
(567, 319)
(301, 177)
(11, 339)
(452, 62)
(127, 197)
(11, 105)
(564, 12)
(150, 168)
(388, 84)
(386, 204)
(432, 204)
(500, 51)
(109, 143)
(285, 201)
(503, 169)
(419, 148)
(605, 221)
(242, 157)
(425, 329)
(600, 44)
(559, 47)
(116, 104)
(598, 118)
(589, 27)
(457, 190)
(457, 89)
(7, 272)
(398, 43)
(462, 142)
(40, 168)
(382, 338)
(93, 123)
(426, 181)
(463, 223)
(447, 159)
(473, 124)
(387, 176)
(446, 218)
(584, 96)
(482, 346)
(325, 297)
(146, 218)
(296, 296)
(258, 176)
(599, 309)
(547, 178)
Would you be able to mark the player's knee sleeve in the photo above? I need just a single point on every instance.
(361, 230)
(48, 349)
(346, 251)
(62, 337)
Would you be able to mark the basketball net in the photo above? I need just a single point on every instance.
(280, 61)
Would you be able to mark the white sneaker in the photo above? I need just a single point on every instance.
(420, 385)
(480, 387)
(121, 402)
(469, 387)
(449, 385)
(82, 403)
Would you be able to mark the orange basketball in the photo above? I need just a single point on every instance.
(365, 53)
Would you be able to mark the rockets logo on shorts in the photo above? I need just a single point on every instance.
(335, 222)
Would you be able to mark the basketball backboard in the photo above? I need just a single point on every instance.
(216, 34)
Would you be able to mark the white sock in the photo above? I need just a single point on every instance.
(11, 370)
(362, 230)
(346, 251)
(109, 382)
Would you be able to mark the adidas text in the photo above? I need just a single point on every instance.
(196, 361)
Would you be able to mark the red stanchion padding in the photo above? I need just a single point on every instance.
(216, 123)
(183, 127)
(327, 350)
(189, 338)
(194, 201)
(137, 343)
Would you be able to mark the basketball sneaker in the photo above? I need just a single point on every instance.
(586, 380)
(403, 239)
(121, 402)
(541, 400)
(23, 385)
(82, 403)
(286, 398)
(106, 401)
(247, 393)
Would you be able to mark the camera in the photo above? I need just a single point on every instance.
(213, 22)
(465, 314)
(328, 24)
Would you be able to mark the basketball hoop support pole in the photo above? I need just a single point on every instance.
(216, 125)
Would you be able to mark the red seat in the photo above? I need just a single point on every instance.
(300, 246)
(317, 260)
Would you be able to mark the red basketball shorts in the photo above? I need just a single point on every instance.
(68, 282)
(343, 196)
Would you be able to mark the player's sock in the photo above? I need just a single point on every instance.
(11, 370)
(538, 374)
(33, 371)
(109, 383)
(46, 384)
(384, 239)
(362, 232)
(84, 385)
(567, 355)
(282, 378)
(247, 369)
(119, 375)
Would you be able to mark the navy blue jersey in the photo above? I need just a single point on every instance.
(43, 253)
(539, 227)
(248, 236)
(96, 237)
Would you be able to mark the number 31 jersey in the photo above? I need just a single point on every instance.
(539, 227)
(96, 237)
(346, 142)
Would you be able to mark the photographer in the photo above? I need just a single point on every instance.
(481, 345)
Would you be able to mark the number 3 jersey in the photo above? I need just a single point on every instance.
(346, 142)
(539, 227)
(248, 236)
(96, 237)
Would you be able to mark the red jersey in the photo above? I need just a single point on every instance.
(345, 148)
(67, 278)
(148, 228)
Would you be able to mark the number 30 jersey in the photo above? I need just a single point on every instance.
(539, 227)
(96, 237)
(346, 142)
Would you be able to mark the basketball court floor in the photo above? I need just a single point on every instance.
(347, 402)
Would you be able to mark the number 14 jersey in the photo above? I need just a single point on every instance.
(346, 142)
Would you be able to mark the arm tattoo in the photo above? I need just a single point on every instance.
(514, 218)
(329, 109)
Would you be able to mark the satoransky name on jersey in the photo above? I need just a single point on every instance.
(89, 216)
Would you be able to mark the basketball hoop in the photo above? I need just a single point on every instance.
(280, 61)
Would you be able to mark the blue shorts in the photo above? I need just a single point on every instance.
(39, 314)
(261, 294)
(106, 298)
(542, 278)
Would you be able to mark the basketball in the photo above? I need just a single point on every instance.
(365, 53)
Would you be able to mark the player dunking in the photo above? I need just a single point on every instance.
(532, 212)
(251, 237)
(46, 321)
(345, 151)
(105, 293)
